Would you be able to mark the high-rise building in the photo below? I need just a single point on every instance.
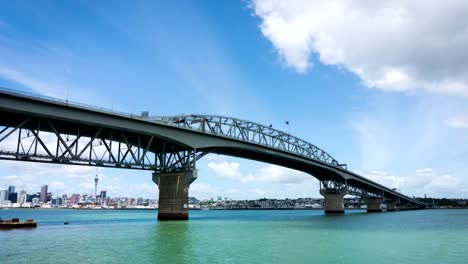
(29, 197)
(35, 201)
(3, 195)
(13, 197)
(11, 189)
(103, 196)
(21, 197)
(56, 201)
(75, 198)
(43, 196)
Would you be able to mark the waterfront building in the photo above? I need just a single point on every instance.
(3, 195)
(11, 189)
(103, 196)
(56, 201)
(35, 201)
(29, 197)
(43, 195)
(75, 198)
(13, 197)
(21, 197)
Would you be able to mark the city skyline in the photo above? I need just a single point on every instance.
(390, 118)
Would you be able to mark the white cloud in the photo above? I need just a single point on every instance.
(258, 191)
(424, 171)
(202, 190)
(271, 173)
(382, 173)
(460, 121)
(47, 88)
(229, 170)
(421, 182)
(392, 45)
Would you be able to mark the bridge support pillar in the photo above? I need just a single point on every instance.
(391, 206)
(333, 202)
(374, 205)
(173, 193)
(402, 207)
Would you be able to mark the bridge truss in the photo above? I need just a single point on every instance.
(42, 140)
(251, 132)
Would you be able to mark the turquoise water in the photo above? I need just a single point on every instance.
(296, 236)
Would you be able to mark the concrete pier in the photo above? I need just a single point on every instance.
(402, 207)
(173, 193)
(333, 202)
(374, 205)
(391, 206)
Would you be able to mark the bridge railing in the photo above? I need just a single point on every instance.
(250, 132)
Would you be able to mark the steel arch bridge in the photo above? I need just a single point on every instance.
(43, 129)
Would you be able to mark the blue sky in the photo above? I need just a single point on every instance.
(372, 85)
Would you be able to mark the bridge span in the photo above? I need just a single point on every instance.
(43, 129)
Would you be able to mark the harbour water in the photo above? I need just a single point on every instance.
(286, 236)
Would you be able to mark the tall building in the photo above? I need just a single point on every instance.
(43, 196)
(103, 196)
(35, 201)
(11, 189)
(13, 197)
(75, 198)
(29, 197)
(3, 195)
(21, 197)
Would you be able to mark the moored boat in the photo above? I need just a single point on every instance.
(15, 223)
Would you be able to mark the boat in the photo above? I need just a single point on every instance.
(15, 223)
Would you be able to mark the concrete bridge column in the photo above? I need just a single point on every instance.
(391, 206)
(173, 193)
(374, 205)
(402, 207)
(333, 203)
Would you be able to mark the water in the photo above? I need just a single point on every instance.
(426, 236)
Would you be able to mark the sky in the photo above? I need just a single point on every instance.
(380, 85)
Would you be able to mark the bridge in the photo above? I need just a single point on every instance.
(43, 129)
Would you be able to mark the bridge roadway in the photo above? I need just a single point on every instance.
(43, 129)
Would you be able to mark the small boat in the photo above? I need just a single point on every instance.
(15, 223)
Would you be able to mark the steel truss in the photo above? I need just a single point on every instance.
(42, 140)
(357, 190)
(352, 189)
(332, 186)
(251, 132)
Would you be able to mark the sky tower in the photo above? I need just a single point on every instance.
(96, 179)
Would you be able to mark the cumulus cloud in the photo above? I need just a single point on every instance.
(421, 182)
(202, 190)
(271, 173)
(258, 191)
(392, 45)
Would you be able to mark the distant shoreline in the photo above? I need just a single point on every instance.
(200, 209)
